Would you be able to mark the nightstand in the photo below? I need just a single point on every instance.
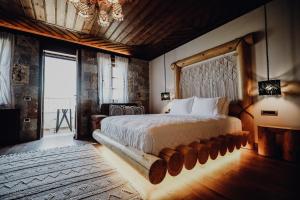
(279, 142)
(96, 121)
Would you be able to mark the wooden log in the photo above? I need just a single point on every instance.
(213, 52)
(245, 135)
(190, 156)
(151, 167)
(222, 145)
(230, 142)
(202, 151)
(291, 145)
(213, 147)
(238, 141)
(174, 160)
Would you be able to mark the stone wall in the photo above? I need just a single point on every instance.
(138, 82)
(88, 93)
(138, 86)
(26, 52)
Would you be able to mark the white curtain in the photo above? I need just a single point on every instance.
(104, 78)
(122, 67)
(6, 54)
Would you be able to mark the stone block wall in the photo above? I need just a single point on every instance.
(138, 82)
(88, 94)
(26, 52)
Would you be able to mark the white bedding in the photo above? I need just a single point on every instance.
(152, 133)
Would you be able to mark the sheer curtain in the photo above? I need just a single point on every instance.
(104, 78)
(122, 66)
(6, 52)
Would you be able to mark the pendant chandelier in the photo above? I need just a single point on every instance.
(89, 9)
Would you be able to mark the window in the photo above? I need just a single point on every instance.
(113, 76)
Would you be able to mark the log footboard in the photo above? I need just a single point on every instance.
(154, 168)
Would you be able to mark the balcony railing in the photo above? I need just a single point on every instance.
(51, 105)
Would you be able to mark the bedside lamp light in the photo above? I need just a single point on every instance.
(165, 95)
(268, 87)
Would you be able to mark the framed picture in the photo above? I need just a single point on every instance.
(20, 74)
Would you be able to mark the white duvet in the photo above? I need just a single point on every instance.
(152, 133)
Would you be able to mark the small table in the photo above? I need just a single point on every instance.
(96, 121)
(279, 142)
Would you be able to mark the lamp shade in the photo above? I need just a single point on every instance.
(165, 96)
(269, 87)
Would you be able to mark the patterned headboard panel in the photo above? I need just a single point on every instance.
(216, 77)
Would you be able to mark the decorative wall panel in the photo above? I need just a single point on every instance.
(212, 78)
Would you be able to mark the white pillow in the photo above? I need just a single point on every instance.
(208, 106)
(182, 106)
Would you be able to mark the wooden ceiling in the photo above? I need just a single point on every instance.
(150, 27)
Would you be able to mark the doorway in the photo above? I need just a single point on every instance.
(59, 99)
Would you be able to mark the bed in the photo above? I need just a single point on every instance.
(154, 132)
(159, 143)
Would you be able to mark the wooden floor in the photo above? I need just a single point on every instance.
(252, 177)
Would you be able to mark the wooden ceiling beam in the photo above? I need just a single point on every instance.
(172, 21)
(44, 30)
(178, 23)
(39, 9)
(28, 9)
(149, 22)
(61, 12)
(131, 17)
(140, 20)
(50, 11)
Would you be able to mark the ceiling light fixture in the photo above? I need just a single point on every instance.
(89, 9)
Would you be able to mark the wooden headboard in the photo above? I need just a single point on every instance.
(240, 108)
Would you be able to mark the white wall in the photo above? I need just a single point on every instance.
(284, 54)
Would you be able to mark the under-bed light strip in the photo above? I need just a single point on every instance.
(171, 187)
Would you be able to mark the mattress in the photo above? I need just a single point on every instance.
(152, 133)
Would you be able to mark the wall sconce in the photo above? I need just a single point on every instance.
(269, 87)
(165, 96)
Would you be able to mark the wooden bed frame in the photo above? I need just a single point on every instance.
(172, 161)
(241, 108)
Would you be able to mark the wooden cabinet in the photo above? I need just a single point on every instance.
(9, 126)
(279, 142)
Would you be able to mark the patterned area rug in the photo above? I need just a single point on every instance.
(75, 172)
